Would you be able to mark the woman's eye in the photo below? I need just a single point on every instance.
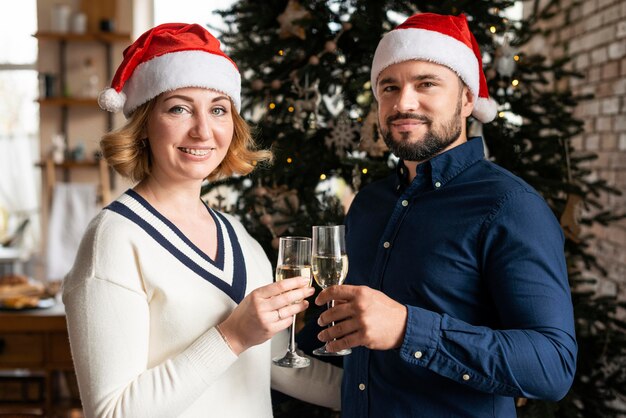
(177, 110)
(218, 111)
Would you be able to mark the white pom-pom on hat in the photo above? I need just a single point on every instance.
(111, 100)
(168, 57)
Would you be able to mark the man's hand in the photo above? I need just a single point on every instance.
(364, 317)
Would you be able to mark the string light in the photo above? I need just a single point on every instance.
(272, 105)
(364, 171)
(501, 114)
(516, 58)
(281, 52)
(290, 109)
(515, 83)
(322, 176)
(289, 160)
(492, 29)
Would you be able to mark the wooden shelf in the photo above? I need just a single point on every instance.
(73, 164)
(107, 37)
(68, 101)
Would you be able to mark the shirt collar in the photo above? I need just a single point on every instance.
(445, 166)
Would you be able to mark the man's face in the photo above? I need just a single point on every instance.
(422, 109)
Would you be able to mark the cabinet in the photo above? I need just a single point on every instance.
(36, 370)
(71, 106)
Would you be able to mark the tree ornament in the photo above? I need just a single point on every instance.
(308, 101)
(277, 209)
(356, 178)
(257, 85)
(342, 134)
(505, 62)
(371, 142)
(314, 60)
(289, 26)
(334, 101)
(330, 46)
(276, 84)
(570, 218)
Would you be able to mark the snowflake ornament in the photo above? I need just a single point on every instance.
(342, 135)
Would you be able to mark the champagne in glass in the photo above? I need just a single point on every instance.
(294, 260)
(330, 266)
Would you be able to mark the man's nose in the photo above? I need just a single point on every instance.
(408, 101)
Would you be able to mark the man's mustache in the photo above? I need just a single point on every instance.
(421, 118)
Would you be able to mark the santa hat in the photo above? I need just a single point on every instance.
(168, 57)
(444, 40)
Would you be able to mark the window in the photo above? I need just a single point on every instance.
(19, 126)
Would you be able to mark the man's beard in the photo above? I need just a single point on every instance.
(435, 140)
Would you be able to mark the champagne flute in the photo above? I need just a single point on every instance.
(294, 260)
(330, 267)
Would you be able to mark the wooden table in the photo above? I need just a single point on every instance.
(35, 343)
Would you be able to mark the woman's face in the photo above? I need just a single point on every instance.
(190, 131)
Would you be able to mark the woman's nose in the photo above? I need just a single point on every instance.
(201, 128)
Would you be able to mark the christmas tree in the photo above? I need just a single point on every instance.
(306, 68)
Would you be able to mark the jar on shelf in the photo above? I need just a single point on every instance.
(90, 81)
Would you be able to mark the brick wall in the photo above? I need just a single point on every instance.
(593, 34)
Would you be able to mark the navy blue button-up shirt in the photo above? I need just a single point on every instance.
(477, 257)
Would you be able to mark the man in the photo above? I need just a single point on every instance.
(457, 299)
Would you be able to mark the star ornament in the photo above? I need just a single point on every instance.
(287, 19)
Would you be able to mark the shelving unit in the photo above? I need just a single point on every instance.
(66, 103)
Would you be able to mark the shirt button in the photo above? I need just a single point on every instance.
(418, 354)
(398, 187)
(386, 244)
(361, 386)
(466, 377)
(437, 184)
(401, 170)
(405, 203)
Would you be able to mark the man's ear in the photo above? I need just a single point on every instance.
(468, 101)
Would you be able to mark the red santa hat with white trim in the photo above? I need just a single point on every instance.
(168, 57)
(444, 40)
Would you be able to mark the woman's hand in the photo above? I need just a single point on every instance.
(264, 312)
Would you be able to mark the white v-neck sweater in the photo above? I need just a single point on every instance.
(142, 303)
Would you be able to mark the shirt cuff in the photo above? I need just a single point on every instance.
(423, 330)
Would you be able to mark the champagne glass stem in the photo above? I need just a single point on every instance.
(329, 305)
(292, 336)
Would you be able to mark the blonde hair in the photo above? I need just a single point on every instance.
(126, 149)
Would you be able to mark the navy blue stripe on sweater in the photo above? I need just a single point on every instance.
(234, 291)
(239, 265)
(219, 263)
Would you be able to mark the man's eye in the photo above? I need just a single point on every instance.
(389, 88)
(428, 84)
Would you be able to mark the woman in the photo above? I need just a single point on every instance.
(170, 305)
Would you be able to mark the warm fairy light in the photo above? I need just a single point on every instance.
(501, 114)
(272, 105)
(516, 58)
(364, 171)
(289, 160)
(322, 176)
(515, 83)
(281, 52)
(492, 29)
(290, 109)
